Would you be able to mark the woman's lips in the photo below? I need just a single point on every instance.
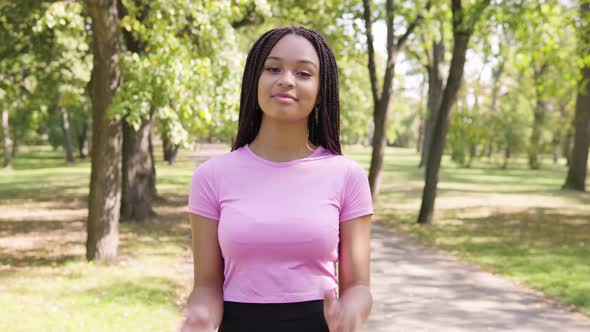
(283, 97)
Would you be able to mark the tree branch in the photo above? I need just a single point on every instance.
(413, 25)
(371, 50)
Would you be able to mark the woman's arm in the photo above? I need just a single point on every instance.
(355, 300)
(354, 267)
(206, 298)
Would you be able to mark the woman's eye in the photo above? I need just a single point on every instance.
(272, 69)
(304, 74)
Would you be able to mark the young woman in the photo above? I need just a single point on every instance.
(281, 224)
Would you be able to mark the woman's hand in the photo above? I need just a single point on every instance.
(197, 320)
(339, 317)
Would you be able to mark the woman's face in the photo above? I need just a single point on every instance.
(289, 82)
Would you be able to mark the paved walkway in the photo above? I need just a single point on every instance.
(420, 289)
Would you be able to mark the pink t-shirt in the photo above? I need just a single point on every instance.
(279, 221)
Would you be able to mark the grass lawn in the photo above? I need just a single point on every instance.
(515, 222)
(45, 282)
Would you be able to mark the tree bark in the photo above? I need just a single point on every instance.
(15, 142)
(435, 91)
(138, 172)
(576, 176)
(567, 146)
(170, 149)
(506, 157)
(462, 31)
(65, 126)
(152, 160)
(536, 142)
(83, 140)
(421, 127)
(7, 163)
(105, 179)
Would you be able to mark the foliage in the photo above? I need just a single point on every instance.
(188, 73)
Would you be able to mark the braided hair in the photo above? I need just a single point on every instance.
(326, 132)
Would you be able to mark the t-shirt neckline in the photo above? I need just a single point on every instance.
(315, 153)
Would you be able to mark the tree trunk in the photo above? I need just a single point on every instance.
(536, 143)
(558, 134)
(83, 140)
(536, 135)
(576, 176)
(567, 146)
(105, 179)
(382, 98)
(15, 145)
(461, 34)
(421, 133)
(379, 138)
(170, 149)
(6, 140)
(138, 172)
(496, 75)
(556, 145)
(435, 92)
(506, 157)
(153, 160)
(65, 126)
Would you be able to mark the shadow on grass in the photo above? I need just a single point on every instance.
(36, 258)
(44, 189)
(40, 243)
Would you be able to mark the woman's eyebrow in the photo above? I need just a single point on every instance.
(298, 61)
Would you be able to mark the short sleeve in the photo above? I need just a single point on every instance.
(356, 198)
(203, 196)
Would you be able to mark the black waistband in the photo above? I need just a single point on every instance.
(275, 311)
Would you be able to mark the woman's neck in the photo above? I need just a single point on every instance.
(281, 141)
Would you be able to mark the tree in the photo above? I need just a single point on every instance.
(430, 51)
(138, 167)
(382, 95)
(105, 179)
(66, 59)
(16, 65)
(464, 21)
(544, 49)
(576, 176)
(175, 73)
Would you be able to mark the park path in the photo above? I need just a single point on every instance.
(416, 288)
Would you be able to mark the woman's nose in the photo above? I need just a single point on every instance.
(287, 79)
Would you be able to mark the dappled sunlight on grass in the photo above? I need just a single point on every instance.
(46, 283)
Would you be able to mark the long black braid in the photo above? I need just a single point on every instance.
(327, 132)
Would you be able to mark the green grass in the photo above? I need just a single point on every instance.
(515, 222)
(45, 282)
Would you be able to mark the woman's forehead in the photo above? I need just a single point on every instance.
(294, 48)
